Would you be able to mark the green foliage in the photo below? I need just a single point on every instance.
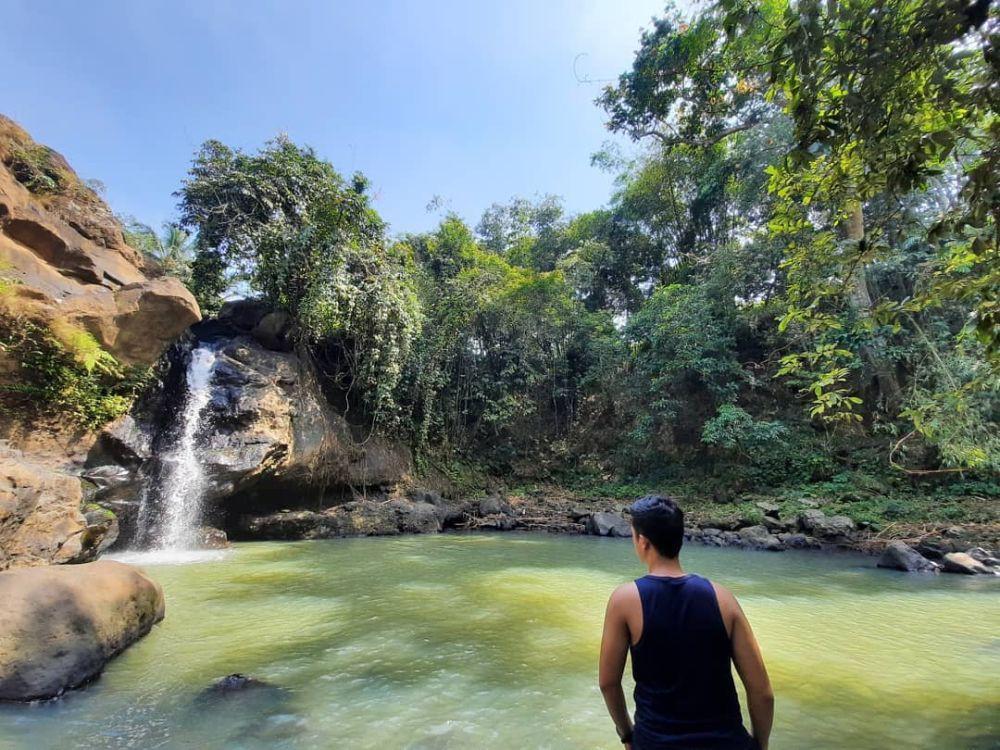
(288, 225)
(62, 370)
(35, 167)
(173, 249)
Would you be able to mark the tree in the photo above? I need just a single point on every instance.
(287, 224)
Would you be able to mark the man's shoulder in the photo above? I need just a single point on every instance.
(624, 594)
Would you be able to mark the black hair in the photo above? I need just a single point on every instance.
(661, 521)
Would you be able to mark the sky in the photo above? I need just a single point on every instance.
(472, 101)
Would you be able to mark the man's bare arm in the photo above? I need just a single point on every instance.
(614, 650)
(750, 667)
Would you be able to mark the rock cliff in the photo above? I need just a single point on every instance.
(64, 259)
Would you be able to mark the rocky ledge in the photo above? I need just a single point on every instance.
(60, 625)
(426, 511)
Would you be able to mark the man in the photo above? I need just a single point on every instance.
(683, 632)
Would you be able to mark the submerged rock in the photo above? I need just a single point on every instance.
(605, 523)
(234, 683)
(901, 556)
(60, 625)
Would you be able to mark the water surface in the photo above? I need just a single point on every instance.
(490, 641)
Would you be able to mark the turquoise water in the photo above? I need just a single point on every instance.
(490, 641)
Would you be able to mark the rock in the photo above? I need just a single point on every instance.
(70, 260)
(960, 562)
(40, 517)
(493, 506)
(901, 556)
(60, 625)
(778, 526)
(935, 548)
(759, 537)
(798, 541)
(604, 523)
(985, 556)
(361, 518)
(235, 683)
(769, 509)
(100, 534)
(274, 331)
(832, 528)
(209, 537)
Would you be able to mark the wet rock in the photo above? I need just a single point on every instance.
(604, 523)
(60, 625)
(101, 533)
(209, 537)
(759, 537)
(960, 562)
(901, 556)
(359, 518)
(799, 541)
(935, 548)
(985, 556)
(235, 682)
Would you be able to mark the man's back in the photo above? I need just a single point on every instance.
(681, 662)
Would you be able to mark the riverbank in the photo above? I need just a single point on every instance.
(804, 523)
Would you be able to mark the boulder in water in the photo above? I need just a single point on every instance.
(901, 556)
(60, 625)
(961, 562)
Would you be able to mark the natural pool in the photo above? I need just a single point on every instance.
(490, 641)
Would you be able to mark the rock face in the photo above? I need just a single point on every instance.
(65, 251)
(64, 260)
(900, 556)
(60, 625)
(366, 518)
(40, 517)
(269, 438)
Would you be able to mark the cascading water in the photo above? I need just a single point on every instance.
(182, 481)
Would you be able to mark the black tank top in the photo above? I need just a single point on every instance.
(684, 691)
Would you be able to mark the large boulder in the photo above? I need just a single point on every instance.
(60, 625)
(901, 556)
(826, 528)
(605, 523)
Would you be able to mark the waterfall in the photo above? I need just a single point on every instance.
(182, 481)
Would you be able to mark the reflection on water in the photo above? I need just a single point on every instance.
(490, 641)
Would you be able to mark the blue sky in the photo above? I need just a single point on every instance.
(472, 101)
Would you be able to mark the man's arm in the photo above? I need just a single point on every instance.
(750, 666)
(614, 650)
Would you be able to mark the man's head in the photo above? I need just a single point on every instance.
(657, 524)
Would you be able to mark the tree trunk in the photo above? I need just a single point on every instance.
(861, 300)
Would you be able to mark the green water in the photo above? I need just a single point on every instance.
(490, 641)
